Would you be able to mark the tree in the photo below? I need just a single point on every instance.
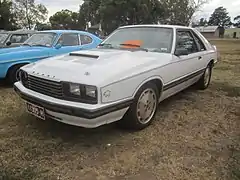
(82, 18)
(42, 26)
(7, 17)
(64, 19)
(135, 12)
(89, 12)
(181, 11)
(203, 22)
(220, 18)
(112, 14)
(237, 19)
(29, 13)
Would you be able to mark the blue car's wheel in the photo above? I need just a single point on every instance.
(13, 74)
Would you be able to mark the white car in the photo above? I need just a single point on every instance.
(123, 79)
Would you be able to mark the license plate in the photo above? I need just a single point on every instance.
(35, 110)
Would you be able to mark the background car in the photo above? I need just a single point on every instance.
(14, 38)
(42, 45)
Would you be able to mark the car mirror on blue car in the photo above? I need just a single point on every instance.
(8, 43)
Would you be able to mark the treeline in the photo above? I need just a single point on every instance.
(15, 14)
(112, 14)
(220, 17)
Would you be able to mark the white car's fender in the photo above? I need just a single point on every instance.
(127, 88)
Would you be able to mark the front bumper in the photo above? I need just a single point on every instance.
(72, 113)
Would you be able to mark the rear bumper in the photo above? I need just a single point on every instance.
(78, 116)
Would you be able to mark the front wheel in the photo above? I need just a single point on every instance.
(143, 109)
(12, 75)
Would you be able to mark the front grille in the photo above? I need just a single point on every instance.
(44, 86)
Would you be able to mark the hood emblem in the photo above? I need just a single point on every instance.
(87, 73)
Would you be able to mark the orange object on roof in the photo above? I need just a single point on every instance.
(133, 42)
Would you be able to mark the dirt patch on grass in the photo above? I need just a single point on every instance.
(195, 136)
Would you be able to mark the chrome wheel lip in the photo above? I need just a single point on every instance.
(207, 76)
(146, 106)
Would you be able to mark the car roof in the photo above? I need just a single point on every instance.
(157, 26)
(18, 32)
(65, 31)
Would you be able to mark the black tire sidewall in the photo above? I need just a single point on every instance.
(131, 115)
(210, 77)
(200, 84)
(12, 74)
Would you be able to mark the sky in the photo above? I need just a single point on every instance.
(233, 6)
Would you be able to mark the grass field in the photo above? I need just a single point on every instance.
(196, 135)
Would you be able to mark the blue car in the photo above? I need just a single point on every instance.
(42, 45)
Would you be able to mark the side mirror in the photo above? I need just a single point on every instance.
(8, 43)
(181, 52)
(58, 46)
(214, 47)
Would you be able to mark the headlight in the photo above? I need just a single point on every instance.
(80, 92)
(75, 89)
(91, 91)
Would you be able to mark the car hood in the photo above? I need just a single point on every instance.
(97, 66)
(22, 52)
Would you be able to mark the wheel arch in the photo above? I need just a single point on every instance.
(11, 66)
(156, 80)
(211, 62)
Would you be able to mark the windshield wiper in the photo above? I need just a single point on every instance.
(135, 45)
(39, 45)
(105, 44)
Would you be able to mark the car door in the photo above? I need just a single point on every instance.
(203, 54)
(191, 62)
(68, 42)
(185, 68)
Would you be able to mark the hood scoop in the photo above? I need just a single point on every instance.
(83, 55)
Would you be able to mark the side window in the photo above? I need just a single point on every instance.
(69, 39)
(185, 40)
(18, 38)
(199, 42)
(85, 39)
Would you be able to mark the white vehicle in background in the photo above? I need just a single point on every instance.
(124, 79)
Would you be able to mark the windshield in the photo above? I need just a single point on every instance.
(3, 37)
(41, 39)
(155, 39)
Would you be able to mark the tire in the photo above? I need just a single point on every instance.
(205, 80)
(132, 119)
(12, 74)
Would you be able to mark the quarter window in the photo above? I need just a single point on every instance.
(185, 40)
(199, 42)
(85, 39)
(69, 40)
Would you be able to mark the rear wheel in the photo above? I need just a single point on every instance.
(204, 81)
(143, 109)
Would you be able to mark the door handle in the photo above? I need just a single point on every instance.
(200, 57)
